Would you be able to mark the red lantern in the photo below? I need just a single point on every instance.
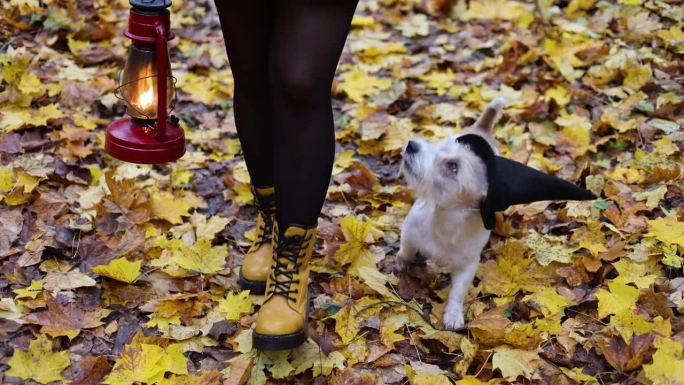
(148, 135)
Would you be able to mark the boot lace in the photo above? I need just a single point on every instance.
(287, 263)
(266, 226)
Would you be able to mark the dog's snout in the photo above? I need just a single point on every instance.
(412, 147)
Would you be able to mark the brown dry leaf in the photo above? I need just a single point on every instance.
(624, 357)
(58, 281)
(65, 319)
(91, 370)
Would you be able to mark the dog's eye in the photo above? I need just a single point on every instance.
(452, 166)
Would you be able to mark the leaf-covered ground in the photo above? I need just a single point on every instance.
(119, 274)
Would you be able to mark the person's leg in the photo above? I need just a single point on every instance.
(247, 30)
(309, 37)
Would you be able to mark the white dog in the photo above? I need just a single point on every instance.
(444, 223)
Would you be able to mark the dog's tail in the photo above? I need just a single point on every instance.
(490, 115)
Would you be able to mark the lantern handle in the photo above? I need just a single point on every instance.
(162, 74)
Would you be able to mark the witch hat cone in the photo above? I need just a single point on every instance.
(511, 182)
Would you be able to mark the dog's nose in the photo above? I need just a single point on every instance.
(412, 147)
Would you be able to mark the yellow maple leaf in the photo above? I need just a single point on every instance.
(204, 89)
(439, 81)
(653, 196)
(591, 237)
(548, 248)
(16, 118)
(6, 179)
(348, 319)
(208, 228)
(511, 271)
(637, 77)
(515, 362)
(175, 360)
(355, 250)
(621, 297)
(167, 206)
(243, 342)
(120, 269)
(137, 364)
(377, 280)
(355, 351)
(633, 272)
(235, 305)
(28, 181)
(204, 378)
(26, 6)
(559, 94)
(244, 193)
(496, 9)
(398, 133)
(147, 363)
(550, 302)
(200, 258)
(673, 38)
(363, 21)
(426, 374)
(343, 160)
(561, 56)
(388, 334)
(665, 146)
(39, 364)
(628, 323)
(470, 380)
(310, 356)
(416, 25)
(668, 364)
(576, 131)
(162, 323)
(357, 85)
(30, 84)
(32, 291)
(667, 230)
(10, 310)
(280, 367)
(75, 46)
(180, 176)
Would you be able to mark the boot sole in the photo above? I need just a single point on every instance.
(254, 287)
(278, 342)
(282, 341)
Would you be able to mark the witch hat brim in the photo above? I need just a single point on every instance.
(511, 182)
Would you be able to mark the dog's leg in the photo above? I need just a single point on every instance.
(407, 252)
(460, 282)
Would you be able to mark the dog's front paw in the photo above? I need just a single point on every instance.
(405, 256)
(454, 319)
(395, 265)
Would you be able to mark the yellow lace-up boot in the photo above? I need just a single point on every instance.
(256, 264)
(282, 318)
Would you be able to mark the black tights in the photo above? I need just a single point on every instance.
(283, 54)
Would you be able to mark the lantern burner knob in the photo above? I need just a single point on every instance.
(150, 5)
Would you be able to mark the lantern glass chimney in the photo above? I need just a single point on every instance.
(138, 82)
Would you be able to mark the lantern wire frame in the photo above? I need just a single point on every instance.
(118, 94)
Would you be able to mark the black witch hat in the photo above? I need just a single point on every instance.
(511, 182)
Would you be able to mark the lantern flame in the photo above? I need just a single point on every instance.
(146, 98)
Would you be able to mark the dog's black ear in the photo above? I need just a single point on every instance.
(511, 182)
(484, 151)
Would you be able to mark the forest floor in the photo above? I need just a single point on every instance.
(119, 273)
